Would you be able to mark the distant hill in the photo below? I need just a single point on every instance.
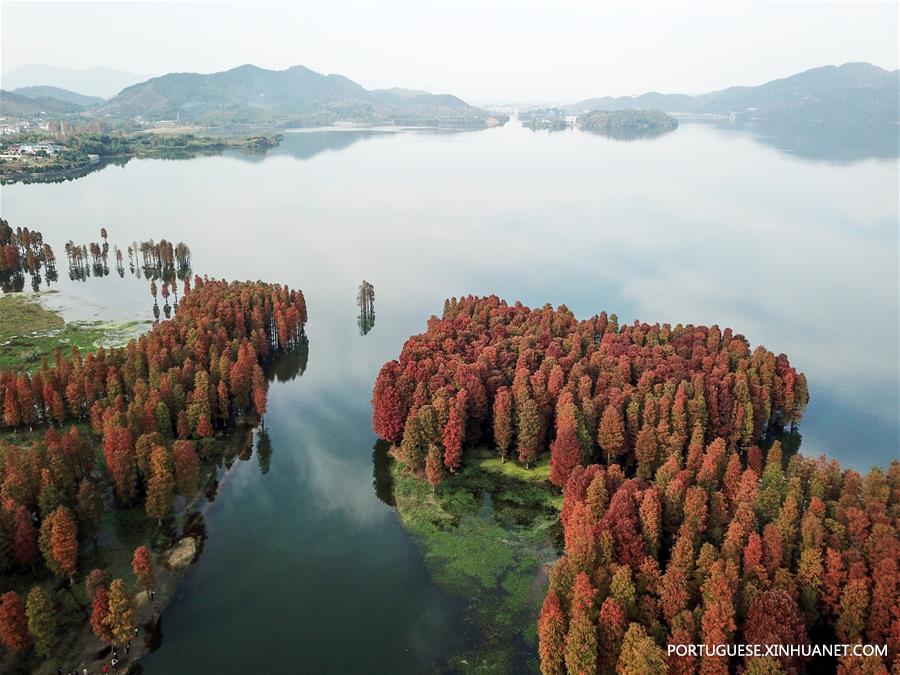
(16, 105)
(38, 92)
(296, 96)
(101, 82)
(628, 124)
(851, 93)
(650, 101)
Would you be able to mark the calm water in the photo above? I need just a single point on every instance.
(305, 568)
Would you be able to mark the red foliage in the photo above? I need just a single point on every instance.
(681, 380)
(142, 566)
(14, 633)
(775, 619)
(551, 636)
(565, 455)
(454, 435)
(99, 614)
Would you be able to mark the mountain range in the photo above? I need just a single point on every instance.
(296, 96)
(59, 94)
(100, 82)
(19, 105)
(851, 93)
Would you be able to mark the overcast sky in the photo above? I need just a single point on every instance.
(482, 53)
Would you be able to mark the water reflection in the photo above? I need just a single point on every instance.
(289, 365)
(365, 300)
(630, 134)
(304, 144)
(22, 252)
(838, 144)
(381, 473)
(158, 261)
(264, 450)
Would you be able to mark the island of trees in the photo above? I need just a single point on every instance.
(536, 379)
(628, 123)
(151, 408)
(683, 521)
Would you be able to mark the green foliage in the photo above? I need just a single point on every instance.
(29, 332)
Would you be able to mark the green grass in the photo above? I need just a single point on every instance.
(486, 535)
(30, 332)
(20, 315)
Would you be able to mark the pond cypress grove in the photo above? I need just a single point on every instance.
(154, 406)
(683, 520)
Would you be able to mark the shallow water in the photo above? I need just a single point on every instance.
(305, 568)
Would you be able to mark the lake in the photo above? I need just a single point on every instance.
(306, 567)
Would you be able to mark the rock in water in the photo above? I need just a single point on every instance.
(182, 554)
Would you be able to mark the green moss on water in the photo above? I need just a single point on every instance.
(487, 534)
(30, 332)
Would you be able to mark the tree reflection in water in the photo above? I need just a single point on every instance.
(23, 251)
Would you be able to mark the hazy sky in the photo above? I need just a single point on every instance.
(485, 53)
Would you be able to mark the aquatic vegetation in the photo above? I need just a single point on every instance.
(486, 537)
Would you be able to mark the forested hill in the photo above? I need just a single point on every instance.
(17, 105)
(41, 91)
(851, 93)
(298, 95)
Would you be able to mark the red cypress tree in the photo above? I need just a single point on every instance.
(161, 486)
(611, 433)
(25, 538)
(650, 515)
(854, 603)
(187, 467)
(204, 427)
(142, 565)
(503, 422)
(14, 633)
(388, 418)
(621, 519)
(884, 601)
(580, 537)
(552, 636)
(611, 626)
(581, 639)
(454, 435)
(100, 616)
(646, 451)
(565, 455)
(528, 430)
(775, 619)
(433, 466)
(64, 541)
